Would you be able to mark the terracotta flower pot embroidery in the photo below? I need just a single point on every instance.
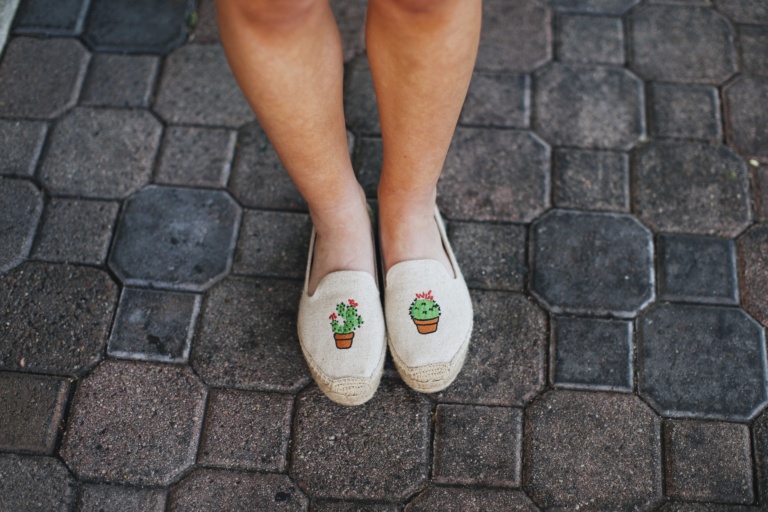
(344, 332)
(425, 312)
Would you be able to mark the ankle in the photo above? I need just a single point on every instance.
(349, 211)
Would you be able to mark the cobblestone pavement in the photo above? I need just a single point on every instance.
(607, 195)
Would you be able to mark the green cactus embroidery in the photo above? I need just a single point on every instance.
(348, 313)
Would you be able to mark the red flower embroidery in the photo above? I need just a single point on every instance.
(333, 316)
(352, 303)
(425, 295)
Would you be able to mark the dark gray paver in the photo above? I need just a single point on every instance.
(500, 175)
(615, 7)
(208, 490)
(175, 238)
(20, 145)
(679, 506)
(754, 41)
(708, 462)
(697, 269)
(21, 204)
(246, 430)
(197, 87)
(154, 325)
(590, 39)
(702, 361)
(104, 153)
(686, 111)
(592, 353)
(590, 107)
(591, 180)
(753, 271)
(31, 410)
(134, 423)
(337, 451)
(498, 99)
(197, 157)
(76, 231)
(691, 187)
(349, 506)
(206, 27)
(120, 80)
(760, 191)
(478, 445)
(747, 126)
(476, 247)
(350, 17)
(51, 18)
(505, 364)
(360, 110)
(54, 318)
(760, 444)
(598, 263)
(366, 161)
(120, 498)
(137, 26)
(595, 451)
(705, 52)
(744, 11)
(40, 78)
(35, 484)
(516, 36)
(273, 244)
(247, 336)
(460, 499)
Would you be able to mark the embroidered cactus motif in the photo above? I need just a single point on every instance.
(425, 312)
(343, 332)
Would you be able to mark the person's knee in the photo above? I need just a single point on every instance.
(275, 13)
(416, 6)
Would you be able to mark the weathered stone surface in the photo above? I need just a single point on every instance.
(54, 318)
(206, 28)
(31, 410)
(104, 153)
(498, 99)
(247, 336)
(686, 111)
(744, 11)
(470, 500)
(754, 41)
(702, 361)
(760, 436)
(120, 498)
(246, 430)
(36, 484)
(120, 80)
(175, 238)
(134, 423)
(590, 39)
(350, 17)
(593, 451)
(516, 36)
(704, 52)
(591, 180)
(20, 146)
(20, 206)
(58, 18)
(679, 506)
(708, 462)
(197, 87)
(500, 175)
(753, 271)
(691, 187)
(198, 157)
(366, 160)
(40, 78)
(590, 107)
(615, 7)
(747, 126)
(505, 364)
(592, 263)
(360, 110)
(349, 506)
(337, 451)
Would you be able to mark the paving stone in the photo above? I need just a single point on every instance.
(337, 450)
(590, 39)
(76, 231)
(591, 180)
(470, 500)
(702, 361)
(686, 111)
(476, 445)
(708, 462)
(753, 271)
(20, 145)
(360, 109)
(366, 161)
(592, 353)
(348, 506)
(138, 26)
(505, 363)
(760, 191)
(207, 490)
(154, 325)
(51, 17)
(134, 423)
(36, 484)
(206, 28)
(54, 318)
(350, 18)
(246, 430)
(593, 451)
(597, 263)
(197, 87)
(754, 41)
(697, 269)
(247, 336)
(175, 238)
(197, 157)
(31, 411)
(704, 52)
(679, 506)
(500, 175)
(691, 187)
(104, 153)
(744, 11)
(747, 126)
(40, 78)
(498, 99)
(119, 498)
(516, 36)
(615, 7)
(760, 443)
(120, 80)
(20, 206)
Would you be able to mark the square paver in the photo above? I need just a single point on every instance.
(120, 498)
(498, 99)
(590, 39)
(198, 157)
(591, 180)
(36, 484)
(21, 204)
(120, 80)
(686, 111)
(20, 145)
(516, 36)
(754, 41)
(51, 17)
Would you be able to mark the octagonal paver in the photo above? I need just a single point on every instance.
(516, 36)
(35, 484)
(748, 124)
(104, 153)
(21, 143)
(753, 271)
(135, 423)
(702, 361)
(54, 318)
(121, 498)
(21, 205)
(691, 187)
(615, 7)
(597, 263)
(703, 52)
(593, 451)
(590, 107)
(175, 238)
(470, 500)
(337, 450)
